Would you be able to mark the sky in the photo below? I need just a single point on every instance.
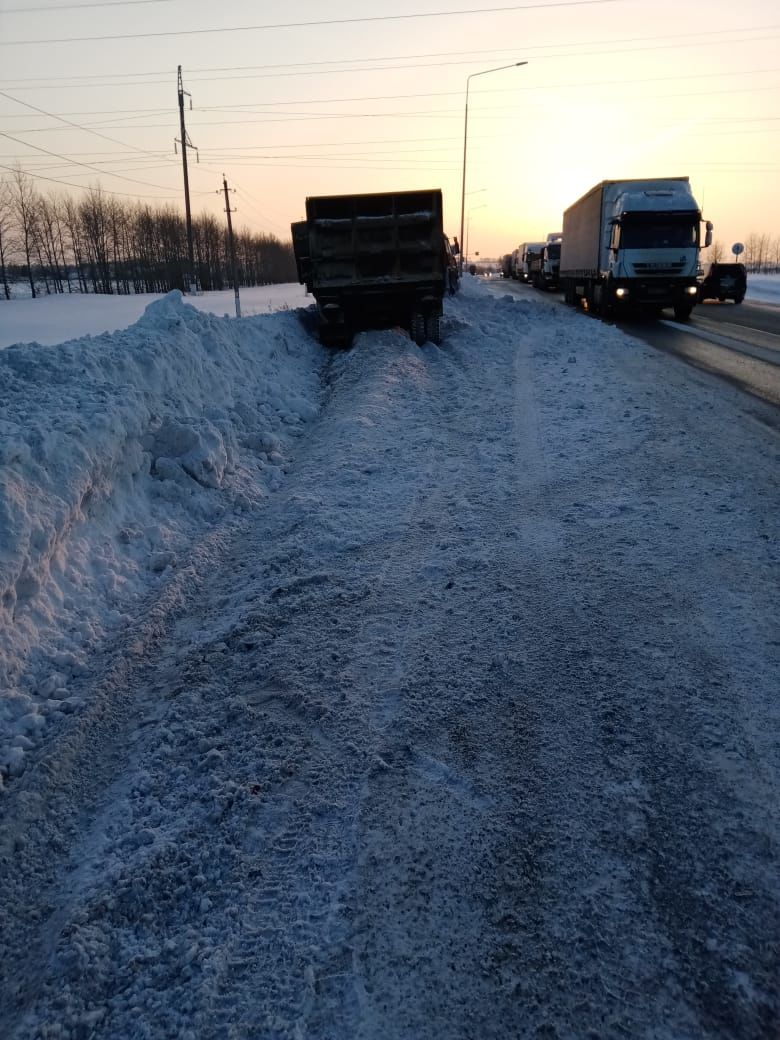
(319, 99)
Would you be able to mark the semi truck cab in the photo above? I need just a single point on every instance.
(653, 249)
(633, 243)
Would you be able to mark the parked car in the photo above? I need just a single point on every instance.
(723, 282)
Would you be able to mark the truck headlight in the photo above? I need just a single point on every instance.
(691, 290)
(621, 292)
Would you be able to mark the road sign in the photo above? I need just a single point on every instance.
(737, 248)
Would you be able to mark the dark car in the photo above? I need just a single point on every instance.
(723, 282)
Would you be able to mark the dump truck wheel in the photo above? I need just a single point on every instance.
(433, 328)
(417, 328)
(335, 336)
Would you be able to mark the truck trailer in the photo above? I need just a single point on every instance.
(374, 260)
(633, 243)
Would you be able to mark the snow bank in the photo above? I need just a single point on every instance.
(116, 453)
(763, 288)
(54, 319)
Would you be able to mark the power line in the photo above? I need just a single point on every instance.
(75, 162)
(69, 184)
(76, 126)
(448, 93)
(298, 117)
(447, 113)
(75, 7)
(46, 83)
(614, 42)
(313, 24)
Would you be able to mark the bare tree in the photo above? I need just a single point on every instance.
(717, 252)
(5, 234)
(776, 253)
(49, 241)
(95, 219)
(25, 207)
(72, 225)
(753, 252)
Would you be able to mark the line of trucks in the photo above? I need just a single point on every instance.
(381, 259)
(624, 244)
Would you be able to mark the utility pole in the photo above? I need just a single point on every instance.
(186, 143)
(232, 244)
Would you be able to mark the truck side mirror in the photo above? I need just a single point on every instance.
(708, 234)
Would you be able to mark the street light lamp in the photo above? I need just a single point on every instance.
(484, 72)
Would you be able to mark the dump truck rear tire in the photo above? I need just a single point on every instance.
(417, 328)
(335, 336)
(433, 328)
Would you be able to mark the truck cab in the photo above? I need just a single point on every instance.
(633, 244)
(545, 268)
(652, 254)
(530, 257)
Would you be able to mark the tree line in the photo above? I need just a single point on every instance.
(55, 243)
(761, 255)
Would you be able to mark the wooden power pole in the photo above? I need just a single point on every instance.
(186, 143)
(232, 246)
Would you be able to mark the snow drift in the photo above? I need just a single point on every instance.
(115, 451)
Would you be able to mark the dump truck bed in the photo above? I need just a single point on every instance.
(374, 260)
(375, 240)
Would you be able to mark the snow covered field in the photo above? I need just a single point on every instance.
(763, 288)
(55, 319)
(387, 694)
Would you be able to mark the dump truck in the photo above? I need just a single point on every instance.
(633, 243)
(373, 261)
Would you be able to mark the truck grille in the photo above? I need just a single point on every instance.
(677, 267)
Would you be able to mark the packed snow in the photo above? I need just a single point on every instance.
(388, 693)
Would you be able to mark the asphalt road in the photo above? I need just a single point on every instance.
(738, 343)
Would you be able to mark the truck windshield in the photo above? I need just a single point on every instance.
(554, 251)
(659, 234)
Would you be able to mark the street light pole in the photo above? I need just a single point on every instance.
(484, 72)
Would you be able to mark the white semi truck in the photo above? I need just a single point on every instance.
(528, 252)
(544, 269)
(633, 243)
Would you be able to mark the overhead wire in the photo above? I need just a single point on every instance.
(613, 42)
(75, 162)
(105, 191)
(75, 7)
(313, 23)
(196, 75)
